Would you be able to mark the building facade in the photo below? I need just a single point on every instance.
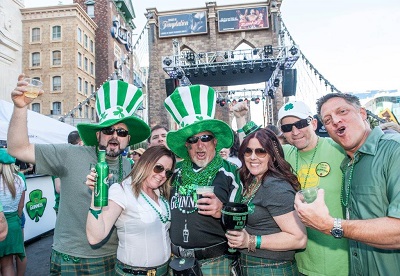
(10, 46)
(59, 50)
(114, 19)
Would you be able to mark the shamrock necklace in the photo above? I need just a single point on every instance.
(164, 219)
(309, 165)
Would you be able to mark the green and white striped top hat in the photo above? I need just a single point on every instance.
(193, 109)
(116, 102)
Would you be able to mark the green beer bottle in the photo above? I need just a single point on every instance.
(101, 187)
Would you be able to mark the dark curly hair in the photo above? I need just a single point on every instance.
(277, 166)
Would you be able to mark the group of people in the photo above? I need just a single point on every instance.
(154, 211)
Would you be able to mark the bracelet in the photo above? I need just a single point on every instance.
(95, 213)
(251, 245)
(258, 243)
(239, 130)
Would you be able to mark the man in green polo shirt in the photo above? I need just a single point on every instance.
(370, 190)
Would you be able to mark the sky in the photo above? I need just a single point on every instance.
(353, 44)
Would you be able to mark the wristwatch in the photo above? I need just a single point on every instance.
(337, 230)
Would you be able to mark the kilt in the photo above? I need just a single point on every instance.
(13, 244)
(219, 266)
(254, 266)
(66, 265)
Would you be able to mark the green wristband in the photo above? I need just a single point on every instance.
(258, 242)
(239, 130)
(95, 213)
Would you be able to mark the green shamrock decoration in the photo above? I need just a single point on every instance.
(103, 116)
(119, 112)
(200, 118)
(36, 206)
(288, 106)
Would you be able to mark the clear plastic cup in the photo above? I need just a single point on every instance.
(309, 194)
(33, 88)
(200, 190)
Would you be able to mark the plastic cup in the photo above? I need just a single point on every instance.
(33, 88)
(200, 190)
(309, 194)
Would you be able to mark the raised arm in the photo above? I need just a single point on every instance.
(17, 136)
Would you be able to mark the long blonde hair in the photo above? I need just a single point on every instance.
(9, 176)
(144, 167)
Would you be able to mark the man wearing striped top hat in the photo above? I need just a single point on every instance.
(118, 127)
(196, 229)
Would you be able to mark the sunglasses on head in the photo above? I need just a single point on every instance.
(160, 168)
(110, 131)
(299, 125)
(203, 138)
(260, 152)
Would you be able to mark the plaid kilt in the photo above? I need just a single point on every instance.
(66, 265)
(254, 266)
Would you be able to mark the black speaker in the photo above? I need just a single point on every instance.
(289, 82)
(170, 85)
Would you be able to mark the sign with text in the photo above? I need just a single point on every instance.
(250, 18)
(183, 24)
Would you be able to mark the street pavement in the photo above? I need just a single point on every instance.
(38, 253)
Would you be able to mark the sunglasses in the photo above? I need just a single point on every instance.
(203, 138)
(135, 153)
(160, 168)
(260, 152)
(299, 125)
(110, 131)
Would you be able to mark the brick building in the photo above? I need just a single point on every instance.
(113, 37)
(59, 49)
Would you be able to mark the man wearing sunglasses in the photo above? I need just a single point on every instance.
(196, 229)
(118, 127)
(316, 161)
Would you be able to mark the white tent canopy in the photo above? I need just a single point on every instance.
(41, 129)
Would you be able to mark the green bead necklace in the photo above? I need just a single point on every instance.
(309, 166)
(164, 219)
(250, 194)
(191, 179)
(345, 194)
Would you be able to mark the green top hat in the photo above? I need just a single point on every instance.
(193, 109)
(250, 127)
(5, 158)
(116, 102)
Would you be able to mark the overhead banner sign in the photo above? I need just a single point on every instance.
(243, 19)
(183, 24)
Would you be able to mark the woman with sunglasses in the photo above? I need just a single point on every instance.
(273, 230)
(139, 209)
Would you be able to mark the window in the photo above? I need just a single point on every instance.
(79, 84)
(86, 111)
(56, 57)
(35, 34)
(56, 83)
(56, 108)
(56, 35)
(91, 89)
(91, 68)
(36, 107)
(86, 88)
(85, 41)
(92, 114)
(91, 46)
(86, 64)
(90, 10)
(79, 60)
(79, 35)
(36, 59)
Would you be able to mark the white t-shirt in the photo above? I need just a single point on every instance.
(143, 239)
